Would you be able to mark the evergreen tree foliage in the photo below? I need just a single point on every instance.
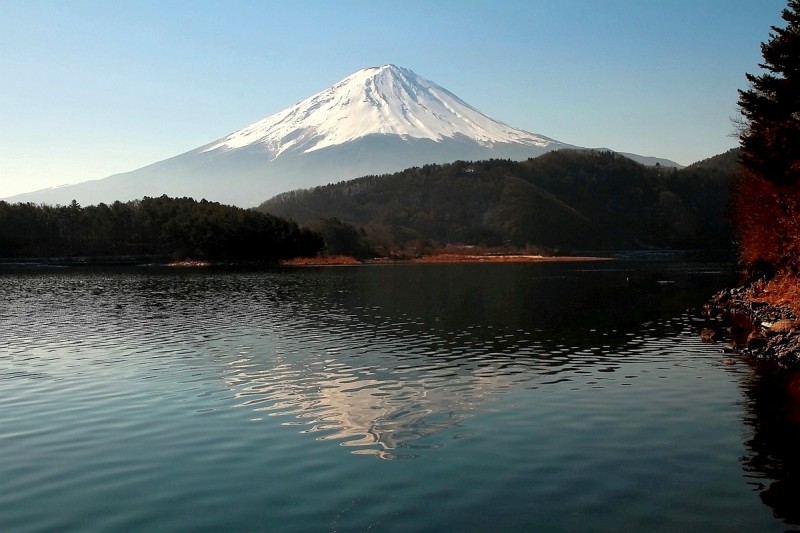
(767, 199)
(770, 139)
(161, 228)
(564, 200)
(341, 238)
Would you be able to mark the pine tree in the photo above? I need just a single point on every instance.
(770, 140)
(767, 201)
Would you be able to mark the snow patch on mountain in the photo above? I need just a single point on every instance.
(387, 100)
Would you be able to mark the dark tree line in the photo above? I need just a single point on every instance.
(342, 238)
(168, 228)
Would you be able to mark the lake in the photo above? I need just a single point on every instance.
(462, 397)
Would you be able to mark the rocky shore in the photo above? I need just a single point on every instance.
(753, 328)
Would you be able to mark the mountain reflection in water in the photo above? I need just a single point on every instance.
(380, 366)
(531, 396)
(379, 357)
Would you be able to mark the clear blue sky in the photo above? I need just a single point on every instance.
(92, 88)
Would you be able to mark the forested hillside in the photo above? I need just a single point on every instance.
(168, 228)
(565, 200)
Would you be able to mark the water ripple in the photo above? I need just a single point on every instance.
(176, 390)
(350, 372)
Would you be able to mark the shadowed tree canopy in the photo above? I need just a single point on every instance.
(770, 139)
(166, 228)
(564, 200)
(767, 199)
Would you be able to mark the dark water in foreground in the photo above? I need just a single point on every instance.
(540, 397)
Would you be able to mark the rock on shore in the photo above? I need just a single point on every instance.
(753, 328)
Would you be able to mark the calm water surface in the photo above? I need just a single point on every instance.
(539, 397)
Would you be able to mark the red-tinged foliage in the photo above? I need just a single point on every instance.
(767, 218)
(781, 291)
(767, 198)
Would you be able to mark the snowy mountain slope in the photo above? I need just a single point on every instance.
(377, 120)
(387, 100)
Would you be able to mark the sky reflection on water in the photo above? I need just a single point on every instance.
(563, 394)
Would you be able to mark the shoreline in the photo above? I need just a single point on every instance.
(751, 328)
(144, 261)
(337, 260)
(438, 259)
(503, 258)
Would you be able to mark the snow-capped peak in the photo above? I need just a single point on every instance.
(386, 100)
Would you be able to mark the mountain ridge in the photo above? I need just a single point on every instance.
(566, 199)
(377, 120)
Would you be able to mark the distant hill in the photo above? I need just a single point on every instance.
(566, 200)
(726, 162)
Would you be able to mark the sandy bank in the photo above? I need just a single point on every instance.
(339, 260)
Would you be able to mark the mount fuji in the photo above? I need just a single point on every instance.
(375, 121)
